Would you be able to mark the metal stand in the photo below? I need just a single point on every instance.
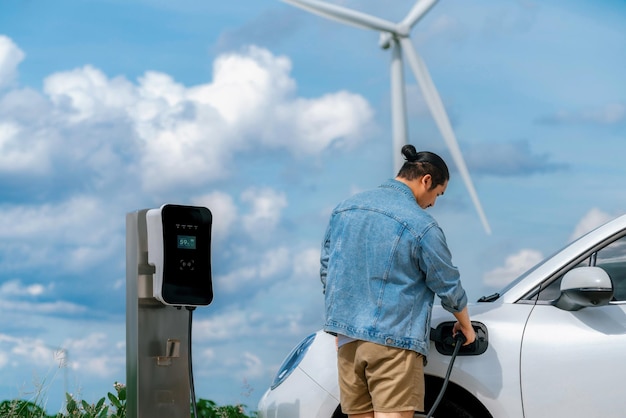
(157, 338)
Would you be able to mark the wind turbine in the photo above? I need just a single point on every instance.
(396, 36)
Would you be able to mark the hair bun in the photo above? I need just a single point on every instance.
(410, 153)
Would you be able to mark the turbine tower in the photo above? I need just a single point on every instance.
(396, 37)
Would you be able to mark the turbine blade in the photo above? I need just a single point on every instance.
(417, 12)
(345, 15)
(398, 106)
(431, 96)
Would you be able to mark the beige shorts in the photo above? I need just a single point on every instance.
(374, 377)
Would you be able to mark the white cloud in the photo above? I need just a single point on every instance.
(16, 288)
(177, 135)
(95, 355)
(104, 365)
(34, 352)
(610, 113)
(10, 58)
(89, 343)
(58, 307)
(594, 218)
(18, 153)
(270, 265)
(234, 323)
(87, 94)
(91, 125)
(32, 235)
(223, 209)
(266, 208)
(338, 119)
(207, 354)
(220, 327)
(253, 366)
(244, 85)
(275, 262)
(52, 220)
(307, 263)
(189, 135)
(30, 351)
(514, 265)
(291, 302)
(607, 114)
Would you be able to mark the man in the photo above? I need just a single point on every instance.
(383, 260)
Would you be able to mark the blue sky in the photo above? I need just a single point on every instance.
(269, 116)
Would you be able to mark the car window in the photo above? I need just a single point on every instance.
(611, 258)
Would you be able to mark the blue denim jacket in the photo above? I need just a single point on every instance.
(383, 259)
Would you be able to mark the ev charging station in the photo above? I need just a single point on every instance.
(168, 275)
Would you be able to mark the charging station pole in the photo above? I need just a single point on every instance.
(157, 337)
(168, 275)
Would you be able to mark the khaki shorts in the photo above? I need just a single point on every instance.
(374, 377)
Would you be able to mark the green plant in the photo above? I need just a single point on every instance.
(18, 408)
(83, 409)
(118, 400)
(116, 408)
(209, 409)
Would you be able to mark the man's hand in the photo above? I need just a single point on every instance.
(470, 334)
(464, 325)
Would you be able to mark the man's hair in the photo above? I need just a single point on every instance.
(419, 164)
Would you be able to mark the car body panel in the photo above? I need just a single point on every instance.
(574, 363)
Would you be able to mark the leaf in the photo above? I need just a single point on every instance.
(121, 393)
(114, 401)
(99, 404)
(71, 404)
(104, 412)
(86, 405)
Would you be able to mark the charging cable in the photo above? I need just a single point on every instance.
(459, 339)
(192, 389)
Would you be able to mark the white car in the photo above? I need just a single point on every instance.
(551, 344)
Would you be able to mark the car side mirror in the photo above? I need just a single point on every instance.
(583, 287)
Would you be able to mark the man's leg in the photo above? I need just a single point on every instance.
(365, 415)
(353, 391)
(403, 414)
(394, 376)
(396, 381)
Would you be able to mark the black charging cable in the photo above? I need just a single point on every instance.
(459, 339)
(192, 389)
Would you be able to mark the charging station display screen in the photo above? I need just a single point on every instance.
(186, 242)
(187, 255)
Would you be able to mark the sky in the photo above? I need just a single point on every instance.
(269, 116)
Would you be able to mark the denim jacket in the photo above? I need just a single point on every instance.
(383, 259)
